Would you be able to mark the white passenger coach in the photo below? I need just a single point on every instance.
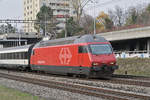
(14, 57)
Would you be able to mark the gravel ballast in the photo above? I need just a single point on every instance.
(44, 92)
(117, 87)
(55, 94)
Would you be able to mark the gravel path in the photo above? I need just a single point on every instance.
(43, 92)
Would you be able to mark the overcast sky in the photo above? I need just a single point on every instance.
(105, 5)
(11, 9)
(14, 8)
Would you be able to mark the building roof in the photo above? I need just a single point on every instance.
(17, 35)
(136, 33)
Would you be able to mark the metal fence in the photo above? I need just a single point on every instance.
(132, 54)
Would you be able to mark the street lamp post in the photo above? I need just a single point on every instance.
(45, 26)
(94, 19)
(66, 19)
(94, 26)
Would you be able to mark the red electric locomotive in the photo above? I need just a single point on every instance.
(88, 55)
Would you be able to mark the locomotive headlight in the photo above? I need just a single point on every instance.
(112, 63)
(95, 63)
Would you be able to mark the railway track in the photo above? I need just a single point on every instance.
(131, 77)
(81, 89)
(128, 82)
(117, 79)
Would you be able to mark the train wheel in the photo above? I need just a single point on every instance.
(75, 76)
(87, 76)
(84, 76)
(70, 75)
(21, 68)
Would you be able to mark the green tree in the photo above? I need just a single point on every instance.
(148, 8)
(72, 28)
(11, 29)
(45, 20)
(7, 28)
(104, 22)
(108, 23)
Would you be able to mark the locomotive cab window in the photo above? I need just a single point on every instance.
(83, 49)
(101, 49)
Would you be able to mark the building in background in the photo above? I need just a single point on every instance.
(61, 9)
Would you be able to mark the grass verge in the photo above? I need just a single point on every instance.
(11, 94)
(134, 66)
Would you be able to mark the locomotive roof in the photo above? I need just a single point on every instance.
(71, 40)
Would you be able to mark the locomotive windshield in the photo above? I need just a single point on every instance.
(101, 49)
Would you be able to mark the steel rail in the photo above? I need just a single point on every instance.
(131, 77)
(128, 82)
(116, 79)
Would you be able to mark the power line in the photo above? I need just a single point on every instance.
(85, 3)
(103, 4)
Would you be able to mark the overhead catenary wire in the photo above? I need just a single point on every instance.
(102, 4)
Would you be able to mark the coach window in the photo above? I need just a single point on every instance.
(19, 55)
(82, 49)
(26, 55)
(5, 55)
(15, 55)
(8, 56)
(22, 54)
(1, 56)
(11, 55)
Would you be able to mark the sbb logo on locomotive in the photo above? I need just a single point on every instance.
(65, 56)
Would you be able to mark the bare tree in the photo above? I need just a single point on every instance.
(78, 6)
(118, 16)
(87, 23)
(138, 15)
